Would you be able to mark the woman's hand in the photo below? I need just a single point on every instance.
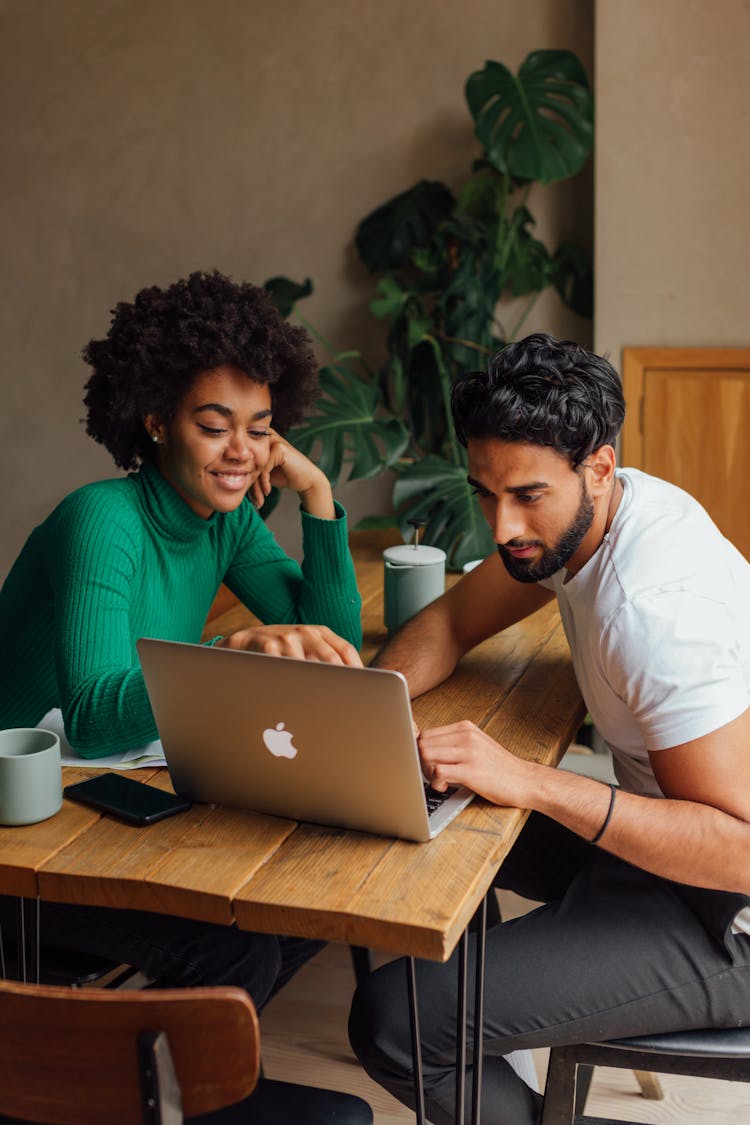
(302, 642)
(286, 467)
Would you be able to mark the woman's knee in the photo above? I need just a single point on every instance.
(379, 1029)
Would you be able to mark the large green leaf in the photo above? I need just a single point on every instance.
(387, 236)
(437, 491)
(469, 296)
(483, 197)
(393, 297)
(285, 293)
(347, 426)
(539, 124)
(573, 278)
(528, 266)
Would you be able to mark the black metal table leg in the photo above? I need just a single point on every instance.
(416, 1042)
(3, 969)
(21, 938)
(481, 945)
(463, 949)
(27, 939)
(36, 911)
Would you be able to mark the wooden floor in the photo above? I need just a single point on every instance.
(304, 1040)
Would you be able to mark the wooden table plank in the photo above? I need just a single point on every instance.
(537, 720)
(367, 890)
(25, 849)
(190, 864)
(201, 875)
(305, 887)
(540, 716)
(487, 674)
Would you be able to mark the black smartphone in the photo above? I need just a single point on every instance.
(132, 801)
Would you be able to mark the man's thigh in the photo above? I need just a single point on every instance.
(619, 954)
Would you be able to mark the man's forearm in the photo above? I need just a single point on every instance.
(424, 650)
(685, 841)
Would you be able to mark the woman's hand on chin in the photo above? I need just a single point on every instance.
(288, 468)
(302, 642)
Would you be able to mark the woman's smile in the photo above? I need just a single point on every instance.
(234, 480)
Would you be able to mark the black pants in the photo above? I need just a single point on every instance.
(173, 951)
(613, 952)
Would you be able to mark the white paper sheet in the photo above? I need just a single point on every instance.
(150, 755)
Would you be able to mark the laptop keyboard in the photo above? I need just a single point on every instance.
(435, 799)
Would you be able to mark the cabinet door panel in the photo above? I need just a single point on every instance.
(689, 423)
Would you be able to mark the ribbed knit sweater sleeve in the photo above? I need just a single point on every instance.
(323, 591)
(96, 586)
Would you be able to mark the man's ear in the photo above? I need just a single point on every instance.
(602, 463)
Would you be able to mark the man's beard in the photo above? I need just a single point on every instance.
(553, 558)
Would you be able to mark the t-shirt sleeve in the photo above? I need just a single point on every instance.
(675, 660)
(322, 591)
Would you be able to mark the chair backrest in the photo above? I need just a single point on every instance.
(71, 1057)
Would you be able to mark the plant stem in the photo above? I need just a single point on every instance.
(517, 326)
(445, 391)
(465, 343)
(327, 345)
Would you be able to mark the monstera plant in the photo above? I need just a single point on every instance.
(446, 264)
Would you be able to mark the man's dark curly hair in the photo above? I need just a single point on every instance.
(158, 343)
(543, 391)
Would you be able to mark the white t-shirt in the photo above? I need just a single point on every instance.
(658, 623)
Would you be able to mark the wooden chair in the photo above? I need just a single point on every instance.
(152, 1057)
(720, 1053)
(83, 1057)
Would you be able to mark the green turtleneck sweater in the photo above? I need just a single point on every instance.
(122, 559)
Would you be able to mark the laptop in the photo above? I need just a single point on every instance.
(294, 738)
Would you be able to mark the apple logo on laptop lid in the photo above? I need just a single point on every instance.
(279, 741)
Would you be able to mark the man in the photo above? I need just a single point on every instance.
(645, 925)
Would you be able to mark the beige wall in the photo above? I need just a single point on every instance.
(142, 139)
(672, 173)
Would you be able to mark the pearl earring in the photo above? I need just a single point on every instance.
(155, 437)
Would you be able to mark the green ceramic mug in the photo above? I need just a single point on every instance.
(413, 576)
(30, 775)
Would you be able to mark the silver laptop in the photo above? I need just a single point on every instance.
(295, 738)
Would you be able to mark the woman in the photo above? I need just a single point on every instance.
(183, 391)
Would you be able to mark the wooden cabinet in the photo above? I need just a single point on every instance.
(688, 421)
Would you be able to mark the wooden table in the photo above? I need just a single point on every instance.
(280, 876)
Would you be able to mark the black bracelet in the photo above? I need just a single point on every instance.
(608, 817)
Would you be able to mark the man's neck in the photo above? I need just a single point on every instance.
(598, 530)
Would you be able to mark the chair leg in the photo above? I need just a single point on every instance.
(361, 962)
(650, 1085)
(583, 1085)
(560, 1089)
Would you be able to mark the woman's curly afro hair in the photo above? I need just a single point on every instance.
(157, 344)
